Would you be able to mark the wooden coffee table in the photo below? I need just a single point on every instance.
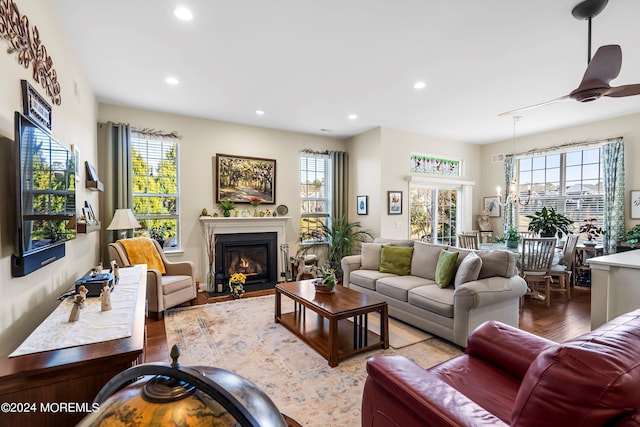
(325, 326)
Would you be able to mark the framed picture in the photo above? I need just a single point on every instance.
(92, 174)
(76, 156)
(635, 204)
(34, 106)
(394, 202)
(492, 205)
(240, 179)
(363, 205)
(91, 215)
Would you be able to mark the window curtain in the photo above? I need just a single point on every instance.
(340, 180)
(510, 206)
(613, 166)
(114, 142)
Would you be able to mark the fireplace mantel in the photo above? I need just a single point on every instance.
(222, 225)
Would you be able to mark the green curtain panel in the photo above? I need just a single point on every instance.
(340, 171)
(114, 142)
(613, 165)
(510, 207)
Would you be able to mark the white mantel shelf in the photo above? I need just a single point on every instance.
(236, 221)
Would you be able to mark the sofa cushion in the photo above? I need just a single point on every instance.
(394, 242)
(397, 286)
(446, 268)
(171, 284)
(425, 259)
(396, 260)
(367, 278)
(371, 256)
(433, 298)
(497, 263)
(468, 270)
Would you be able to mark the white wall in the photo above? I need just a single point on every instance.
(628, 127)
(202, 139)
(26, 301)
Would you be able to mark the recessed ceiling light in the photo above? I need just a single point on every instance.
(183, 13)
(259, 112)
(352, 116)
(171, 80)
(419, 85)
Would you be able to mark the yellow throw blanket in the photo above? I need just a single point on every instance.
(141, 250)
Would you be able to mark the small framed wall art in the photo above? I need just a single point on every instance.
(635, 204)
(492, 205)
(34, 106)
(394, 202)
(363, 205)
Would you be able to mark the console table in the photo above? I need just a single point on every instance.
(41, 381)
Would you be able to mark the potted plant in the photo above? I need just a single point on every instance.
(591, 231)
(512, 237)
(341, 237)
(548, 223)
(633, 236)
(327, 280)
(226, 206)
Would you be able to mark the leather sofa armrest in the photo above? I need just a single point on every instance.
(429, 398)
(349, 264)
(506, 347)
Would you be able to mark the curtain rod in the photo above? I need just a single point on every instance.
(565, 145)
(149, 132)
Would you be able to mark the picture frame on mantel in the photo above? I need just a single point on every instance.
(635, 204)
(240, 178)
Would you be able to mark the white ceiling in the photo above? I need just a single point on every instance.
(309, 64)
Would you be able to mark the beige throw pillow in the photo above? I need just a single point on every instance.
(371, 256)
(468, 270)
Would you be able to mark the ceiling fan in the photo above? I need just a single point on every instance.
(601, 69)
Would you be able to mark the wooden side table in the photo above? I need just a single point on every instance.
(581, 266)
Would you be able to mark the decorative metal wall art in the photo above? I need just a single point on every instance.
(434, 165)
(25, 42)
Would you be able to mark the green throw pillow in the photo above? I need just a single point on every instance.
(446, 268)
(396, 260)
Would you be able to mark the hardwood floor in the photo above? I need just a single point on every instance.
(560, 322)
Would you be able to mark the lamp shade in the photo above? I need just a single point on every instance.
(123, 219)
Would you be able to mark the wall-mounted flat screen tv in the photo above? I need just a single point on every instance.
(46, 197)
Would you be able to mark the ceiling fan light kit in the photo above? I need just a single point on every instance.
(601, 69)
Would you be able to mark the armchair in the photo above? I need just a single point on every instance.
(176, 286)
(511, 377)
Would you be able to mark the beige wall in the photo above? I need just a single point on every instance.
(628, 127)
(202, 139)
(26, 301)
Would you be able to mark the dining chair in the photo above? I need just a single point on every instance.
(536, 261)
(468, 240)
(562, 271)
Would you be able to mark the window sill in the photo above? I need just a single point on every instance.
(174, 252)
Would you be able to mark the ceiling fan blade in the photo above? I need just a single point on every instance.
(626, 90)
(512, 112)
(604, 67)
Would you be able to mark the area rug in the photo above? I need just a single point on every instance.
(241, 336)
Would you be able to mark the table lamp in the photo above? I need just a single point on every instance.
(123, 220)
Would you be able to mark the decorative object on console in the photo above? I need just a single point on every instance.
(282, 210)
(123, 219)
(591, 230)
(105, 299)
(362, 203)
(236, 284)
(394, 202)
(240, 179)
(226, 206)
(255, 201)
(635, 204)
(75, 310)
(26, 43)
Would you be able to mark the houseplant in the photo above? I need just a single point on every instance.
(327, 280)
(591, 231)
(340, 237)
(512, 237)
(633, 236)
(548, 223)
(226, 206)
(236, 285)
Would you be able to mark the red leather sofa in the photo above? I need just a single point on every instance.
(511, 377)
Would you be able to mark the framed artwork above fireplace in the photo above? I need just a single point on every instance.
(241, 179)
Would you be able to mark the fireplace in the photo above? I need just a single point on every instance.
(253, 254)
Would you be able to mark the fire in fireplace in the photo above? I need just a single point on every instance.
(252, 254)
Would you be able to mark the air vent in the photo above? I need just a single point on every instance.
(497, 158)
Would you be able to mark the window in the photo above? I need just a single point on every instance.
(315, 190)
(570, 182)
(155, 189)
(433, 214)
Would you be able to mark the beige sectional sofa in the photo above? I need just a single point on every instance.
(485, 286)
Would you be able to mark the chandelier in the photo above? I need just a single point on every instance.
(513, 196)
